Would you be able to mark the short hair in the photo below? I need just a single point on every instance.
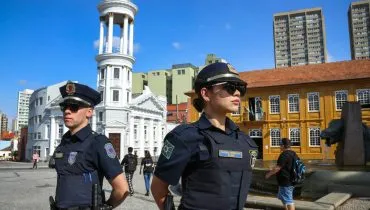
(286, 143)
(130, 149)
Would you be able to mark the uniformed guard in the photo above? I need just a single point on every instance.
(84, 157)
(212, 156)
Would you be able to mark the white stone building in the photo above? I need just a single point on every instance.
(46, 125)
(128, 121)
(22, 109)
(139, 122)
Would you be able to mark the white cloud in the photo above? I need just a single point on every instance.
(22, 82)
(330, 57)
(96, 44)
(227, 26)
(137, 47)
(176, 45)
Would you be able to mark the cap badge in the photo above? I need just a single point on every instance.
(70, 89)
(232, 69)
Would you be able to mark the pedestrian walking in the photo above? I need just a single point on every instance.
(212, 156)
(283, 171)
(148, 164)
(130, 164)
(35, 159)
(84, 157)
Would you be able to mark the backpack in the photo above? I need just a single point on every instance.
(298, 170)
(131, 163)
(148, 165)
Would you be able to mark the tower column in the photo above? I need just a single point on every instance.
(151, 135)
(141, 137)
(52, 135)
(93, 121)
(125, 34)
(101, 40)
(121, 40)
(131, 47)
(110, 33)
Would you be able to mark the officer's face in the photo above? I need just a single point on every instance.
(221, 99)
(76, 115)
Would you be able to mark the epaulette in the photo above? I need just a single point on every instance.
(98, 136)
(180, 128)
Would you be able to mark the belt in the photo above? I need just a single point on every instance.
(76, 208)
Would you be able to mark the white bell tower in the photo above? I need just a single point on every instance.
(114, 71)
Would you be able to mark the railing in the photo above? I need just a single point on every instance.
(254, 117)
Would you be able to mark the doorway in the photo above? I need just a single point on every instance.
(115, 138)
(259, 142)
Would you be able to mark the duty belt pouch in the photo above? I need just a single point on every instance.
(168, 202)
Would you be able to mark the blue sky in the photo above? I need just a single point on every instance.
(43, 42)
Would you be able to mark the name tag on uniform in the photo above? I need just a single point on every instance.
(58, 155)
(230, 154)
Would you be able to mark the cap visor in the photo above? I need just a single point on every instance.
(230, 79)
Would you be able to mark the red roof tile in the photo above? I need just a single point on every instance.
(344, 70)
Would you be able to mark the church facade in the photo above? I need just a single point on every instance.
(128, 120)
(138, 122)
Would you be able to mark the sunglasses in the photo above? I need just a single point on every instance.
(73, 107)
(230, 87)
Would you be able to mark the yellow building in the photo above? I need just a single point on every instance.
(297, 103)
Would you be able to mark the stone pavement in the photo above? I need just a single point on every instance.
(24, 188)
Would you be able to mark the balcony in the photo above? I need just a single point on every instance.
(254, 117)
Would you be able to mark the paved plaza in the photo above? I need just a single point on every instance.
(24, 188)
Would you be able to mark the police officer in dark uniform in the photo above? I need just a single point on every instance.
(213, 157)
(84, 157)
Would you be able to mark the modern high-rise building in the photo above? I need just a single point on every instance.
(359, 29)
(1, 123)
(299, 38)
(4, 123)
(23, 108)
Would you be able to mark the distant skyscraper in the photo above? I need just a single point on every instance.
(22, 108)
(359, 29)
(299, 38)
(4, 123)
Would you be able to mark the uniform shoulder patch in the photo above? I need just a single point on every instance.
(167, 149)
(110, 150)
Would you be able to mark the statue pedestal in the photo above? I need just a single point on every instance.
(350, 151)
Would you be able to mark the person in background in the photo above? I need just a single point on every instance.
(283, 171)
(35, 159)
(148, 164)
(130, 164)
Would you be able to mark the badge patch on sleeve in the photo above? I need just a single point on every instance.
(72, 158)
(253, 154)
(167, 149)
(110, 150)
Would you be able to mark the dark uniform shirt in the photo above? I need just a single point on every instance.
(81, 160)
(182, 150)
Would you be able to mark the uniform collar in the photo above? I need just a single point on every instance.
(81, 135)
(204, 123)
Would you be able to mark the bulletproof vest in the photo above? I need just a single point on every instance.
(75, 178)
(220, 178)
